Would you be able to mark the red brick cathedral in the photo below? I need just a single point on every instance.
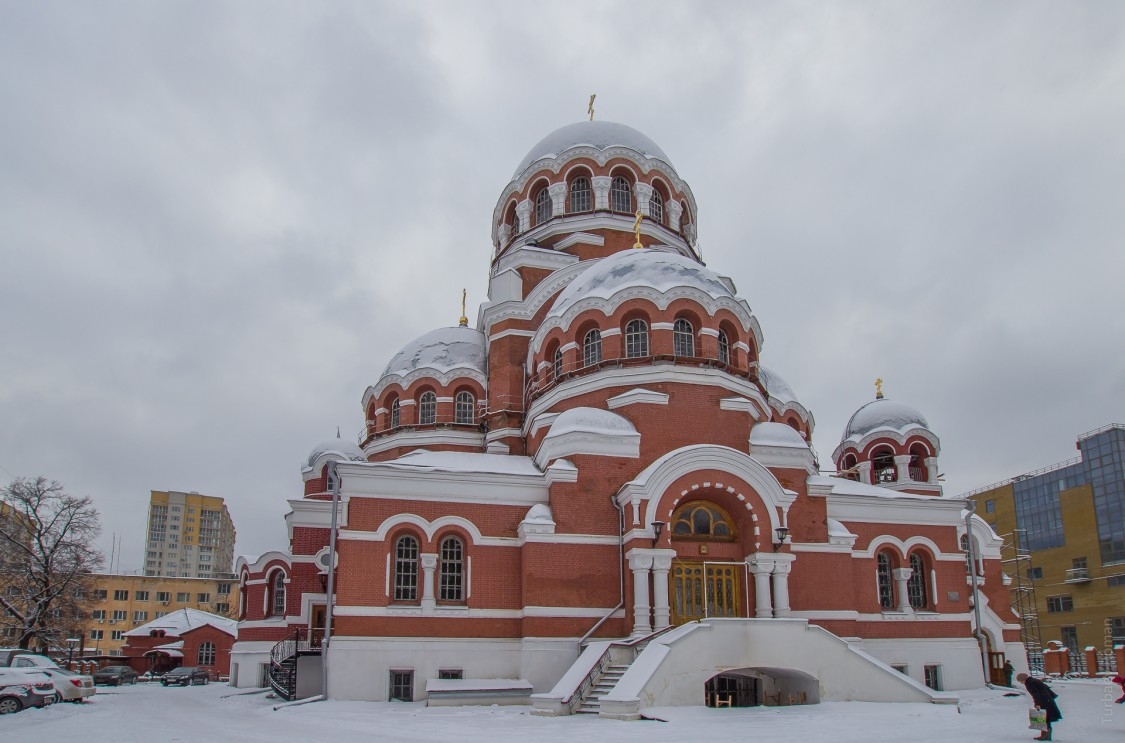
(597, 498)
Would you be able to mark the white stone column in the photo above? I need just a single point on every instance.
(931, 470)
(864, 469)
(429, 564)
(640, 562)
(675, 211)
(601, 185)
(902, 575)
(902, 466)
(762, 565)
(643, 192)
(558, 198)
(504, 234)
(781, 584)
(523, 211)
(661, 608)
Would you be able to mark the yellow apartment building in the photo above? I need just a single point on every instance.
(189, 536)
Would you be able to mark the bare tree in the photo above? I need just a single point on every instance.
(47, 562)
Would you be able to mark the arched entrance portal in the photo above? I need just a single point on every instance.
(708, 578)
(751, 687)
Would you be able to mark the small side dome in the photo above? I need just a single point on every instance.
(589, 420)
(588, 431)
(442, 351)
(338, 449)
(601, 135)
(884, 414)
(776, 386)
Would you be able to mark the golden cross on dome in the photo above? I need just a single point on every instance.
(464, 320)
(879, 388)
(590, 108)
(637, 230)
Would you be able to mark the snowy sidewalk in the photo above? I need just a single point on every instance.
(142, 714)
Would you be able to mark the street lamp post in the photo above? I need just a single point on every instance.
(72, 643)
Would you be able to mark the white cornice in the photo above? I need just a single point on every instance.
(511, 332)
(638, 396)
(922, 510)
(443, 379)
(531, 256)
(399, 482)
(579, 238)
(898, 436)
(472, 613)
(743, 405)
(625, 444)
(471, 440)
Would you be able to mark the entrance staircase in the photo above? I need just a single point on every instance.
(591, 703)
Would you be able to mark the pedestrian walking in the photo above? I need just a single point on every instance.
(1009, 669)
(1044, 698)
(1120, 681)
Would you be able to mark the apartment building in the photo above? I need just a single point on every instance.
(189, 536)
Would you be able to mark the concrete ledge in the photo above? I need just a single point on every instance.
(482, 692)
(620, 709)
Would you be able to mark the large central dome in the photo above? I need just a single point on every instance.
(600, 135)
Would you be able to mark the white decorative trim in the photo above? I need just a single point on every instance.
(710, 332)
(595, 443)
(601, 539)
(899, 436)
(663, 325)
(528, 611)
(473, 440)
(579, 238)
(391, 481)
(541, 420)
(429, 528)
(917, 510)
(272, 623)
(904, 547)
(443, 378)
(744, 405)
(511, 332)
(637, 396)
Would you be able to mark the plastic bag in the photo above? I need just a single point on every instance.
(1038, 718)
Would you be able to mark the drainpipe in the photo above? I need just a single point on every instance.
(620, 572)
(331, 581)
(978, 631)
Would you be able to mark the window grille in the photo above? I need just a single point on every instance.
(427, 408)
(656, 206)
(683, 338)
(394, 413)
(581, 195)
(278, 594)
(724, 348)
(557, 363)
(636, 339)
(452, 569)
(206, 654)
(621, 195)
(542, 206)
(916, 585)
(515, 223)
(406, 569)
(464, 406)
(592, 348)
(886, 586)
(402, 686)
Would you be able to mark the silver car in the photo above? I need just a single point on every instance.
(70, 686)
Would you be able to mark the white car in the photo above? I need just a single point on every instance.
(70, 686)
(24, 687)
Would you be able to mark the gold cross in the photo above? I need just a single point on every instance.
(464, 320)
(879, 389)
(590, 108)
(637, 230)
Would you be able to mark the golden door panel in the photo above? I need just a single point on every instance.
(702, 590)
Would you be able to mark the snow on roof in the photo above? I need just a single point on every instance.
(600, 135)
(184, 620)
(884, 413)
(590, 420)
(643, 267)
(344, 448)
(457, 461)
(837, 529)
(777, 434)
(440, 685)
(539, 512)
(776, 386)
(442, 350)
(843, 486)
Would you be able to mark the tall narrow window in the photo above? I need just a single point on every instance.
(724, 348)
(916, 585)
(592, 348)
(394, 413)
(656, 206)
(278, 608)
(636, 339)
(406, 569)
(883, 466)
(542, 206)
(683, 338)
(427, 408)
(580, 195)
(621, 195)
(452, 569)
(886, 585)
(206, 654)
(515, 223)
(557, 364)
(463, 407)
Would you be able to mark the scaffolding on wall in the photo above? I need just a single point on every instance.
(1017, 562)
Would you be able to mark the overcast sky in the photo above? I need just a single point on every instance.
(219, 221)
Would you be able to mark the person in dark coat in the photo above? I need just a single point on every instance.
(1009, 669)
(1044, 697)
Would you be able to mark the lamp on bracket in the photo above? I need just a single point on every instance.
(657, 530)
(781, 533)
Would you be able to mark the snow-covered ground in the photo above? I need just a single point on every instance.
(146, 713)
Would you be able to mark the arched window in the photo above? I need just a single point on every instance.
(886, 584)
(394, 413)
(724, 347)
(883, 466)
(206, 654)
(557, 363)
(636, 339)
(464, 407)
(916, 584)
(542, 206)
(621, 195)
(656, 206)
(427, 408)
(683, 338)
(592, 348)
(406, 569)
(451, 570)
(698, 519)
(848, 467)
(277, 589)
(581, 195)
(242, 598)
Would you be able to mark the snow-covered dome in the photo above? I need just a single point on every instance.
(645, 267)
(882, 413)
(776, 386)
(343, 449)
(601, 135)
(442, 350)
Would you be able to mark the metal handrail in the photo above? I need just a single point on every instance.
(575, 699)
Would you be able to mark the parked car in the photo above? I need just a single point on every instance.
(185, 676)
(115, 675)
(70, 686)
(9, 656)
(24, 687)
(32, 660)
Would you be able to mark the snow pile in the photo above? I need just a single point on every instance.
(776, 434)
